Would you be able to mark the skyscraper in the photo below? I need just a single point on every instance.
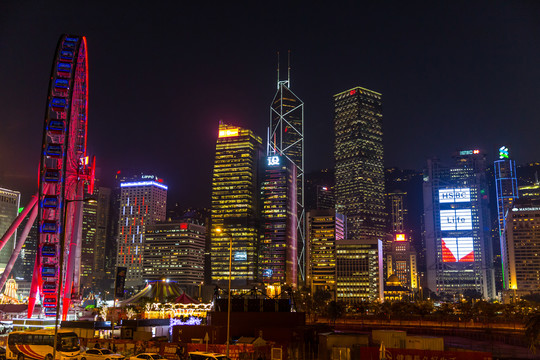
(523, 246)
(359, 169)
(143, 201)
(278, 252)
(96, 216)
(359, 270)
(401, 261)
(235, 205)
(175, 250)
(325, 227)
(457, 226)
(286, 138)
(9, 209)
(506, 187)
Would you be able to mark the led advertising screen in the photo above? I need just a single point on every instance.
(452, 220)
(240, 255)
(454, 195)
(458, 249)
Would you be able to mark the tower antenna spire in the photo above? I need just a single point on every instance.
(278, 69)
(289, 68)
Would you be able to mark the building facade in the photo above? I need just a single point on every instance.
(402, 261)
(286, 138)
(235, 208)
(143, 202)
(175, 251)
(523, 241)
(359, 271)
(279, 222)
(506, 188)
(9, 209)
(457, 226)
(359, 169)
(325, 227)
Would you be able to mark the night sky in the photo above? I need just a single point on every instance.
(162, 74)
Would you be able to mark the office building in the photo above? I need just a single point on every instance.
(286, 138)
(359, 171)
(96, 223)
(143, 202)
(457, 226)
(359, 270)
(506, 188)
(235, 209)
(175, 251)
(523, 241)
(325, 227)
(279, 222)
(9, 209)
(401, 261)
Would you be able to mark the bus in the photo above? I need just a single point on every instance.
(38, 345)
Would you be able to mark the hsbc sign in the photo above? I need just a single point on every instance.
(454, 195)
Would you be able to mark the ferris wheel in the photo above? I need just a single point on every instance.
(63, 173)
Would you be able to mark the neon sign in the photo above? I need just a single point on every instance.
(469, 152)
(144, 183)
(400, 237)
(273, 160)
(228, 133)
(454, 195)
(503, 152)
(458, 249)
(452, 220)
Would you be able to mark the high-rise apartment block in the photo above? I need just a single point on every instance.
(325, 227)
(457, 226)
(359, 270)
(523, 241)
(175, 251)
(9, 209)
(235, 210)
(278, 247)
(359, 170)
(143, 202)
(506, 187)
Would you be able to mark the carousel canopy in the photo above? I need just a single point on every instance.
(185, 299)
(158, 291)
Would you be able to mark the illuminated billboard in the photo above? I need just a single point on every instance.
(228, 133)
(240, 255)
(273, 160)
(400, 237)
(454, 195)
(457, 249)
(452, 220)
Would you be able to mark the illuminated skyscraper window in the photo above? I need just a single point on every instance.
(359, 170)
(143, 202)
(235, 205)
(459, 255)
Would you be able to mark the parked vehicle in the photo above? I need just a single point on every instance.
(201, 355)
(39, 344)
(146, 356)
(101, 354)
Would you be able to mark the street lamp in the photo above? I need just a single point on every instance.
(61, 267)
(229, 297)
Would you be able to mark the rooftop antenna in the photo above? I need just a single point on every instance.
(289, 69)
(278, 69)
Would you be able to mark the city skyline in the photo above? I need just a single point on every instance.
(440, 68)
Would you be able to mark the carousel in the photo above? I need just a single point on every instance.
(164, 299)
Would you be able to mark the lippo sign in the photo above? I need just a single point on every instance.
(413, 354)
